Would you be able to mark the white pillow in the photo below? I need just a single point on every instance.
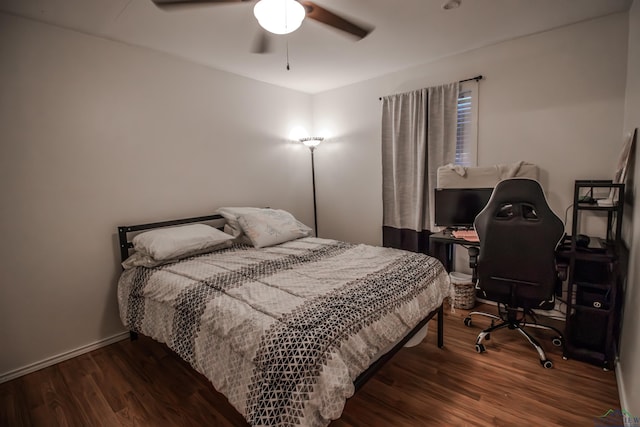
(241, 239)
(171, 243)
(231, 215)
(140, 259)
(269, 227)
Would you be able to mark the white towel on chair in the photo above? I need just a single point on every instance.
(460, 170)
(509, 170)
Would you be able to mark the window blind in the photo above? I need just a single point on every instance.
(465, 136)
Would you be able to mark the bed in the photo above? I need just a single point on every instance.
(288, 331)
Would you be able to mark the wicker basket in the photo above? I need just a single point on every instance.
(465, 292)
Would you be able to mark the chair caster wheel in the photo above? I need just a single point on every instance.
(487, 337)
(480, 348)
(547, 364)
(557, 341)
(467, 321)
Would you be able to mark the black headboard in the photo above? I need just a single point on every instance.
(123, 230)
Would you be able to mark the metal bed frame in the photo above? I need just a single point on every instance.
(126, 245)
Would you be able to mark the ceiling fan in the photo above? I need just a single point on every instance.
(282, 16)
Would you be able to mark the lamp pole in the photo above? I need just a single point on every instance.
(313, 182)
(312, 143)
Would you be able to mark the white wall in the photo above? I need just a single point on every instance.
(554, 99)
(97, 134)
(629, 365)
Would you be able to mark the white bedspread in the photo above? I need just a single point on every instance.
(284, 331)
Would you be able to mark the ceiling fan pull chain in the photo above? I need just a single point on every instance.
(288, 68)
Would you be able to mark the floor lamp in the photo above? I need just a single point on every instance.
(312, 143)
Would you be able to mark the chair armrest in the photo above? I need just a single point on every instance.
(473, 263)
(562, 267)
(473, 256)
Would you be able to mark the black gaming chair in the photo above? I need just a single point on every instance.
(515, 265)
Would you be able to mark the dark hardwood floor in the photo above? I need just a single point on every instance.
(143, 383)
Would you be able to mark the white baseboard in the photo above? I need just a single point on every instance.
(621, 392)
(8, 376)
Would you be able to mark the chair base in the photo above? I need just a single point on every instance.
(519, 326)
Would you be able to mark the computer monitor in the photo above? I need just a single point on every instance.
(458, 207)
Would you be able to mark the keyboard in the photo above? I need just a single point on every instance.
(469, 235)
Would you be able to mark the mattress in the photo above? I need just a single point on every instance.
(284, 331)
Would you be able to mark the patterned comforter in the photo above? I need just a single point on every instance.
(284, 331)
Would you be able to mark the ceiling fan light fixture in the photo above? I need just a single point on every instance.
(279, 16)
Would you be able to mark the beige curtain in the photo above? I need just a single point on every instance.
(418, 136)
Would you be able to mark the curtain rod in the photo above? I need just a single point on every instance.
(476, 78)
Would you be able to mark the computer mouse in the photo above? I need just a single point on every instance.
(582, 240)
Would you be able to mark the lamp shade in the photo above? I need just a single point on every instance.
(312, 141)
(279, 16)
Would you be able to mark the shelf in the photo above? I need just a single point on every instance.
(597, 183)
(595, 207)
(591, 356)
(593, 278)
(591, 285)
(589, 309)
(593, 271)
(605, 257)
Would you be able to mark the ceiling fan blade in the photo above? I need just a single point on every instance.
(166, 4)
(262, 43)
(321, 14)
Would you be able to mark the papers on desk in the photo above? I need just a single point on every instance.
(469, 235)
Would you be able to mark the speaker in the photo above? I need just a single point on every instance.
(591, 297)
(589, 329)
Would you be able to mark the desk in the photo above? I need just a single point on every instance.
(441, 247)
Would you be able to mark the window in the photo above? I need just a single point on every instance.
(467, 132)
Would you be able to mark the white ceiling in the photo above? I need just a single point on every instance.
(407, 32)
